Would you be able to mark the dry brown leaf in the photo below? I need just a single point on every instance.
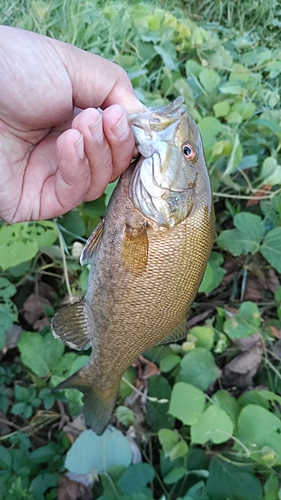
(34, 308)
(73, 490)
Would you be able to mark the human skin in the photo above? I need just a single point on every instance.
(56, 148)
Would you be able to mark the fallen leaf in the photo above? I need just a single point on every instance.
(70, 489)
(34, 308)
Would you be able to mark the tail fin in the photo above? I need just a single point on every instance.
(98, 404)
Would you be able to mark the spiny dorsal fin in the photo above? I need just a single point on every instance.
(92, 244)
(135, 247)
(178, 333)
(72, 325)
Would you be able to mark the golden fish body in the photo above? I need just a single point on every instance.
(147, 258)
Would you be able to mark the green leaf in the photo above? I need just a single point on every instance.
(271, 248)
(175, 475)
(204, 335)
(221, 108)
(187, 403)
(125, 415)
(198, 368)
(213, 425)
(7, 289)
(168, 440)
(245, 238)
(213, 274)
(169, 363)
(91, 453)
(228, 403)
(157, 415)
(41, 354)
(227, 480)
(136, 478)
(5, 458)
(16, 245)
(259, 428)
(209, 79)
(44, 232)
(245, 323)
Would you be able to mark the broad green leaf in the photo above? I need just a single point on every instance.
(245, 109)
(234, 117)
(213, 274)
(136, 478)
(169, 363)
(41, 354)
(271, 248)
(271, 172)
(157, 410)
(226, 479)
(271, 487)
(175, 475)
(187, 402)
(197, 492)
(221, 108)
(214, 425)
(245, 323)
(259, 428)
(44, 232)
(167, 53)
(246, 237)
(8, 314)
(198, 368)
(16, 245)
(204, 335)
(125, 415)
(168, 440)
(91, 453)
(7, 289)
(5, 458)
(227, 403)
(209, 79)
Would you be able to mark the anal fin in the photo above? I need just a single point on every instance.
(178, 333)
(72, 325)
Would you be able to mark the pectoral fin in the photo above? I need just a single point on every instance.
(178, 333)
(135, 247)
(92, 244)
(72, 325)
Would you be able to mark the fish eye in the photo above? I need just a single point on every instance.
(189, 151)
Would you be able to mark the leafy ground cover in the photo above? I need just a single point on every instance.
(195, 420)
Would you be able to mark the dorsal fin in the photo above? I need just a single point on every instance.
(92, 244)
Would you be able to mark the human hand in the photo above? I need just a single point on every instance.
(56, 148)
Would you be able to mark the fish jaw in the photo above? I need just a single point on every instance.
(166, 182)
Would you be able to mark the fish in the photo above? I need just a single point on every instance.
(147, 258)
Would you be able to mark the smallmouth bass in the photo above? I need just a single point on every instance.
(147, 257)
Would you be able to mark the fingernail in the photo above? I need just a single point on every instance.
(121, 129)
(96, 130)
(79, 147)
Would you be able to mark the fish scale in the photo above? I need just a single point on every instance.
(147, 257)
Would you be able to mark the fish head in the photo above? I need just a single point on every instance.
(171, 170)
